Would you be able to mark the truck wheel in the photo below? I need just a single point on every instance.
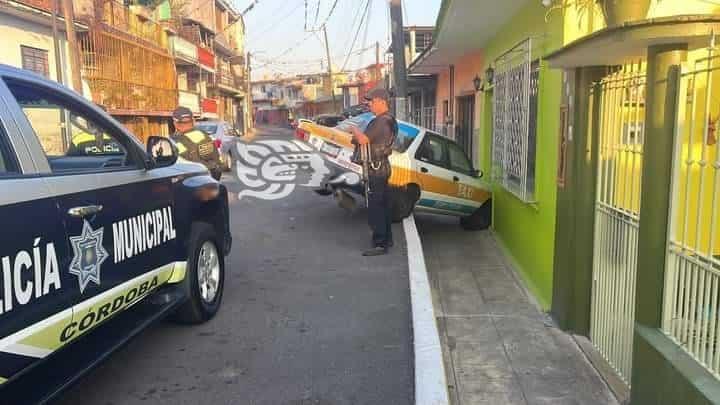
(204, 276)
(478, 220)
(403, 201)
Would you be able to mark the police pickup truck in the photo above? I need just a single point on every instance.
(99, 236)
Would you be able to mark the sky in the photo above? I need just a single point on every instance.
(277, 38)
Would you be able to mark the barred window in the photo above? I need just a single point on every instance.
(422, 41)
(515, 105)
(35, 60)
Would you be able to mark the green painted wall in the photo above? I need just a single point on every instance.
(527, 231)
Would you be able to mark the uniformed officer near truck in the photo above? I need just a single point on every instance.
(193, 144)
(380, 135)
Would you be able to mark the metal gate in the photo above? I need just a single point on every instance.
(621, 95)
(692, 284)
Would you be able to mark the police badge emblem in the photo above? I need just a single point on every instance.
(88, 255)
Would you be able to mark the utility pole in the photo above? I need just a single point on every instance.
(69, 15)
(332, 86)
(58, 66)
(399, 67)
(56, 42)
(248, 96)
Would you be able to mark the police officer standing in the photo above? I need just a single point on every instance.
(380, 134)
(195, 145)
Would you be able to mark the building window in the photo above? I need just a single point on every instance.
(422, 41)
(515, 110)
(35, 60)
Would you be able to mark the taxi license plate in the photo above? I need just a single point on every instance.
(330, 149)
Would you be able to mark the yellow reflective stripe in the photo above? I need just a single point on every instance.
(178, 273)
(49, 336)
(195, 136)
(181, 148)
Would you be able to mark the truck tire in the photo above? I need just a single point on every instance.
(478, 220)
(204, 276)
(403, 201)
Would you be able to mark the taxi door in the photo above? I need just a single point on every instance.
(438, 184)
(35, 289)
(469, 195)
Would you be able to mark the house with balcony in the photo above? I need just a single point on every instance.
(208, 47)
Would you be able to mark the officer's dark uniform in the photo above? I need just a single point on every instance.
(196, 146)
(381, 131)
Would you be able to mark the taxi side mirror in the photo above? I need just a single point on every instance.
(161, 152)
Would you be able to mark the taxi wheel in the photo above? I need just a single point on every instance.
(403, 201)
(204, 276)
(478, 220)
(216, 173)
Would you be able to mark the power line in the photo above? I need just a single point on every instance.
(276, 23)
(317, 14)
(330, 13)
(367, 6)
(365, 34)
(355, 18)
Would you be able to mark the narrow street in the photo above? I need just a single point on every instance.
(305, 319)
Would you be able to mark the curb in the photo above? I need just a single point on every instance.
(430, 382)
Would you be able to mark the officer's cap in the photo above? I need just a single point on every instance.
(182, 114)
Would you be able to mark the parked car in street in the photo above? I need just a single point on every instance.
(101, 236)
(225, 138)
(354, 110)
(328, 120)
(429, 172)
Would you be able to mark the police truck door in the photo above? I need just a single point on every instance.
(116, 214)
(35, 289)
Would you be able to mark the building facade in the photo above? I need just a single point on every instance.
(594, 124)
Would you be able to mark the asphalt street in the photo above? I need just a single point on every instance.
(305, 319)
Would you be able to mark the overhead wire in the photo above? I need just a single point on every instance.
(365, 34)
(367, 6)
(317, 14)
(276, 23)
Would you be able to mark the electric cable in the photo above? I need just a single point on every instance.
(367, 6)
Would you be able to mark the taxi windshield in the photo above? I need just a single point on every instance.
(406, 133)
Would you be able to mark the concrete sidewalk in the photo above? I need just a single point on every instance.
(497, 346)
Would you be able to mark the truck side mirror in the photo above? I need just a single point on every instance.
(161, 152)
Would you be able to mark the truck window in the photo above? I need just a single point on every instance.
(7, 165)
(71, 140)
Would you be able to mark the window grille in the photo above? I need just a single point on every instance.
(515, 121)
(35, 60)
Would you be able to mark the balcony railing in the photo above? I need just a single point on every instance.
(184, 49)
(189, 100)
(117, 18)
(125, 75)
